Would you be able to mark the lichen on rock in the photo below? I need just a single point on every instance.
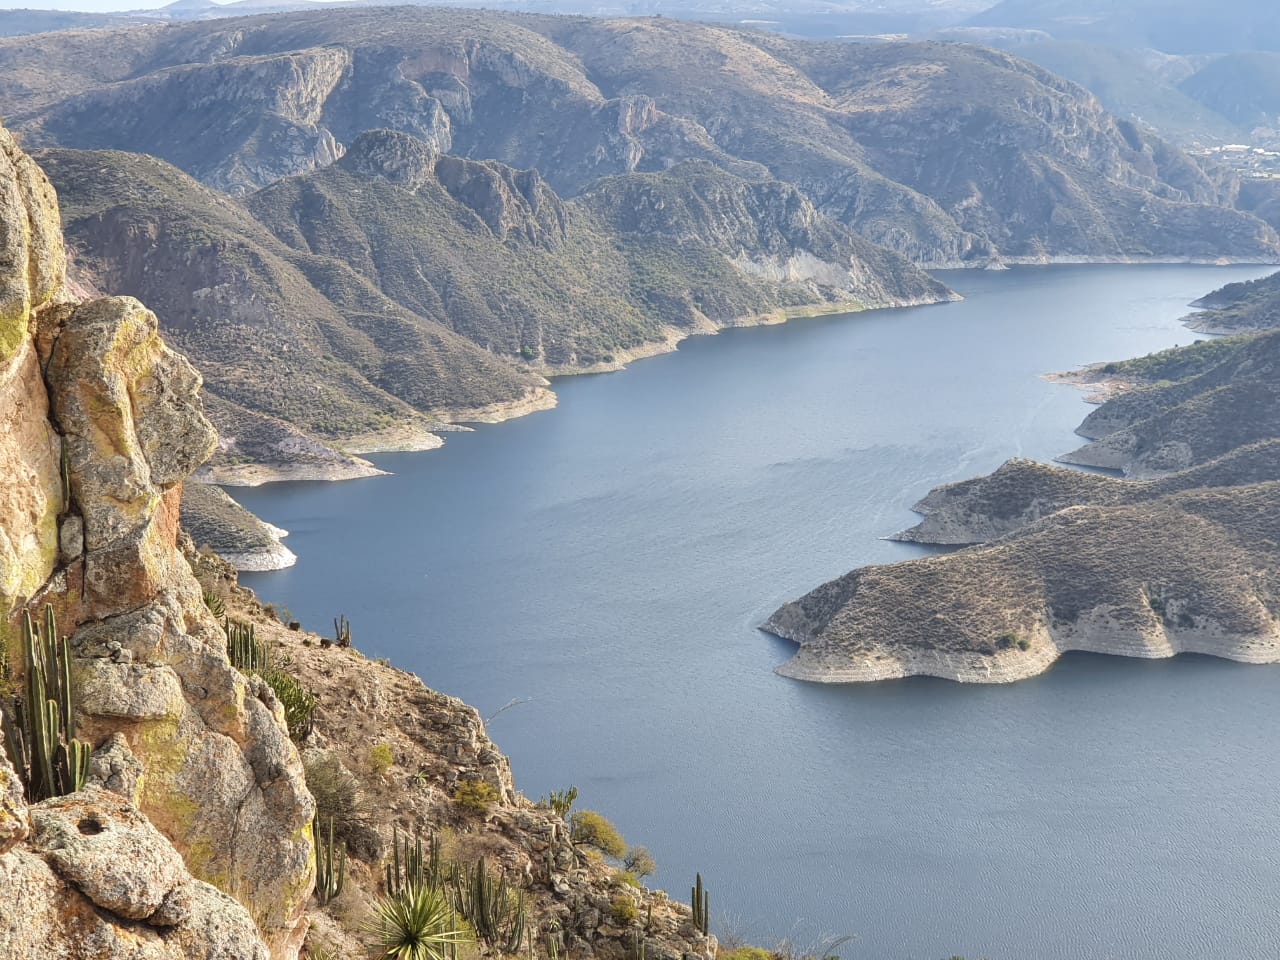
(100, 424)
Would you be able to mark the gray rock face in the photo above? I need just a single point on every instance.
(92, 390)
(98, 882)
(110, 852)
(945, 153)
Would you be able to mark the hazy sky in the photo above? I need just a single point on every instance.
(95, 6)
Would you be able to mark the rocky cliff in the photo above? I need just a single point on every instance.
(100, 423)
(391, 754)
(192, 839)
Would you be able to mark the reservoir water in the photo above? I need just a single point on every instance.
(608, 562)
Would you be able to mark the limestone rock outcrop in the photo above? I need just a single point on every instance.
(98, 882)
(100, 423)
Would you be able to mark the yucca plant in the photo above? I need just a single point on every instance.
(417, 924)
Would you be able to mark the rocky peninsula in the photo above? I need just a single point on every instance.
(1183, 560)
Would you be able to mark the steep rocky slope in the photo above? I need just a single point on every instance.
(495, 254)
(943, 152)
(192, 837)
(99, 425)
(377, 298)
(279, 333)
(431, 744)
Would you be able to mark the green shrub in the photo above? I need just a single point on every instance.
(639, 861)
(381, 759)
(335, 788)
(1024, 644)
(1006, 640)
(475, 795)
(746, 953)
(589, 827)
(623, 910)
(625, 878)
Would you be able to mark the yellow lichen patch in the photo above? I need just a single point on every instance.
(14, 318)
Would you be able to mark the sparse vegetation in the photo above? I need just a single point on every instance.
(475, 796)
(623, 910)
(39, 729)
(639, 861)
(381, 758)
(561, 801)
(249, 655)
(593, 829)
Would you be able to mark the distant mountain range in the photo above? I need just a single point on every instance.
(366, 223)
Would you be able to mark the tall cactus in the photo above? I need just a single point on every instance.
(497, 915)
(701, 907)
(331, 870)
(408, 867)
(246, 653)
(38, 739)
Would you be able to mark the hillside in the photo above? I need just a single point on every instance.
(1185, 561)
(1238, 307)
(944, 153)
(1243, 87)
(1021, 492)
(375, 299)
(1173, 424)
(244, 306)
(1195, 572)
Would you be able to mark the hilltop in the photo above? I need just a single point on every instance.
(945, 153)
(1238, 307)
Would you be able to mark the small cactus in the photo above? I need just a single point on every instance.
(341, 631)
(701, 908)
(331, 870)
